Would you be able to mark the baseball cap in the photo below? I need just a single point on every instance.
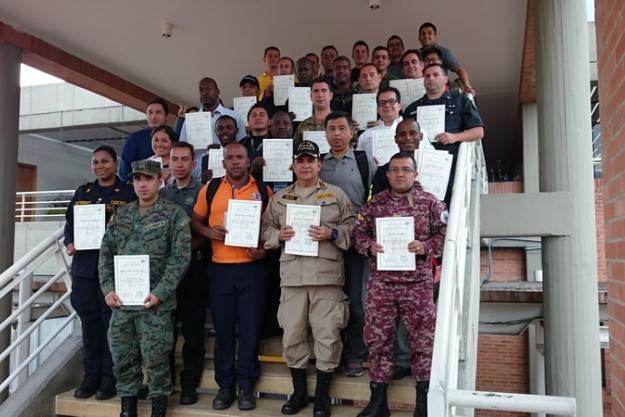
(249, 79)
(306, 147)
(146, 167)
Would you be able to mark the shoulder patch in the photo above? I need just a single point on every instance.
(444, 216)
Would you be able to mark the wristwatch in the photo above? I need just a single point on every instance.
(334, 234)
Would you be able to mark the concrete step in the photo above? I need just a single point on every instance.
(271, 346)
(67, 405)
(275, 378)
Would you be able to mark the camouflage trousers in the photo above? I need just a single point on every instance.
(386, 303)
(141, 337)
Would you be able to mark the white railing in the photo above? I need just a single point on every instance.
(19, 277)
(454, 361)
(41, 205)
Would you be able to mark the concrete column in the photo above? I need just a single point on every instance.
(530, 147)
(569, 262)
(10, 58)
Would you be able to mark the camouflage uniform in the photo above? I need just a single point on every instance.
(392, 295)
(137, 333)
(307, 125)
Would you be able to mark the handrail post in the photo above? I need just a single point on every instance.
(23, 200)
(23, 321)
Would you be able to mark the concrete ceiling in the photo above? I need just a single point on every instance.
(224, 39)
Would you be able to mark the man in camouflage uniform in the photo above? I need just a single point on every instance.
(405, 295)
(158, 228)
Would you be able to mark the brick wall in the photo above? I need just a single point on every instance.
(610, 26)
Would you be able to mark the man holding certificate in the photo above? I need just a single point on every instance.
(145, 252)
(90, 208)
(400, 229)
(311, 221)
(459, 120)
(230, 219)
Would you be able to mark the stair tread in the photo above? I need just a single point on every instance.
(67, 405)
(275, 378)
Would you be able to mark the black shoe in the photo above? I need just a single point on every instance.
(322, 402)
(246, 400)
(421, 408)
(87, 388)
(159, 406)
(378, 406)
(299, 399)
(143, 392)
(224, 399)
(107, 389)
(188, 396)
(400, 372)
(129, 407)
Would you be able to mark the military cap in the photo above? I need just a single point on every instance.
(306, 147)
(146, 167)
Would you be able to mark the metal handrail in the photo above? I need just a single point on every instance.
(19, 277)
(458, 308)
(28, 206)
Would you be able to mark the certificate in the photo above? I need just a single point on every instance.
(199, 126)
(394, 234)
(243, 223)
(364, 109)
(318, 137)
(215, 162)
(432, 120)
(278, 155)
(281, 85)
(242, 106)
(132, 278)
(383, 146)
(411, 90)
(434, 170)
(300, 218)
(300, 103)
(89, 223)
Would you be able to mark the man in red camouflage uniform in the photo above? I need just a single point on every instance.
(405, 295)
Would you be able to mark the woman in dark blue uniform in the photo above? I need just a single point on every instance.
(86, 296)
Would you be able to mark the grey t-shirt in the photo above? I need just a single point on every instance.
(344, 174)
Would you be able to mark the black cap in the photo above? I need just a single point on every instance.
(249, 79)
(306, 147)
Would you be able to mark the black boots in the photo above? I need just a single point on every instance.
(87, 388)
(129, 407)
(159, 406)
(107, 389)
(377, 407)
(299, 399)
(322, 394)
(421, 409)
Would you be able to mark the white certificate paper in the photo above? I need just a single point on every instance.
(215, 162)
(394, 234)
(242, 106)
(411, 90)
(383, 146)
(132, 278)
(300, 218)
(281, 85)
(199, 127)
(434, 168)
(318, 137)
(89, 225)
(243, 223)
(300, 103)
(432, 120)
(278, 155)
(364, 109)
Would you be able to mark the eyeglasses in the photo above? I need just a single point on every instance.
(403, 170)
(383, 103)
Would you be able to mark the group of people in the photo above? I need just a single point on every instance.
(168, 204)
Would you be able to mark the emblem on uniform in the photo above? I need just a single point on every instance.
(256, 196)
(444, 217)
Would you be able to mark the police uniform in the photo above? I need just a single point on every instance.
(190, 294)
(86, 297)
(137, 334)
(405, 295)
(460, 115)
